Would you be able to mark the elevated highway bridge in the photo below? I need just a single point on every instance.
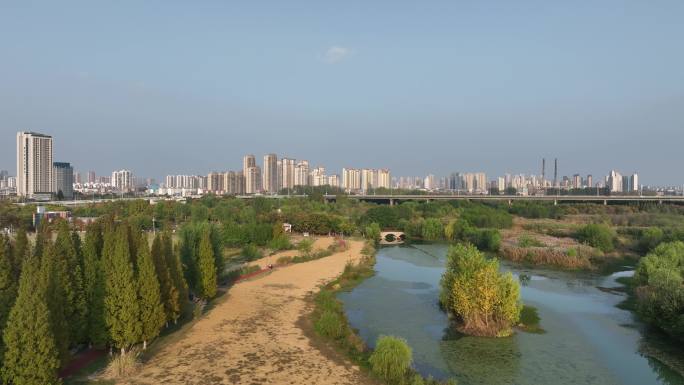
(600, 199)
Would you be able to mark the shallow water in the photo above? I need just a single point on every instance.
(587, 341)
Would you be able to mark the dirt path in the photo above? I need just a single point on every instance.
(251, 337)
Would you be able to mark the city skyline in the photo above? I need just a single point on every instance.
(417, 89)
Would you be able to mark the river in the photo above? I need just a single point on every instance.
(588, 340)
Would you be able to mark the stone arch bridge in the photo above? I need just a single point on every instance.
(392, 237)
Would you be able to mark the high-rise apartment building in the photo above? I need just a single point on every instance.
(614, 181)
(247, 162)
(383, 179)
(288, 170)
(351, 179)
(317, 177)
(334, 180)
(270, 174)
(91, 177)
(252, 180)
(301, 173)
(215, 182)
(63, 176)
(34, 165)
(122, 180)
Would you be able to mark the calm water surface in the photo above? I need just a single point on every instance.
(587, 341)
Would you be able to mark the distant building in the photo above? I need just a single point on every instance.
(122, 181)
(614, 181)
(270, 174)
(301, 173)
(34, 165)
(287, 173)
(92, 178)
(252, 180)
(63, 180)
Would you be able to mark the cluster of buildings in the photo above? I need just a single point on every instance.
(40, 178)
(274, 175)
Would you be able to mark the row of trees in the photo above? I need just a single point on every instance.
(109, 289)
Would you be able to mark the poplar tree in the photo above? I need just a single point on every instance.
(206, 267)
(169, 294)
(71, 276)
(152, 317)
(122, 312)
(93, 285)
(176, 272)
(31, 356)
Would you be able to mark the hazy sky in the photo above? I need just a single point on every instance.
(417, 86)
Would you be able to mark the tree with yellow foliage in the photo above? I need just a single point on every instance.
(485, 302)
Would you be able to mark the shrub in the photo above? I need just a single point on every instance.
(281, 242)
(391, 358)
(529, 241)
(330, 324)
(250, 252)
(284, 260)
(123, 365)
(650, 238)
(305, 246)
(597, 235)
(660, 288)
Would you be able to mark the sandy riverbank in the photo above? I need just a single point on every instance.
(252, 336)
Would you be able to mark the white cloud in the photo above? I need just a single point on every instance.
(336, 54)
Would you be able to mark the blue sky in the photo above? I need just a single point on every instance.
(189, 87)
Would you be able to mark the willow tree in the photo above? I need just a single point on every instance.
(31, 355)
(486, 302)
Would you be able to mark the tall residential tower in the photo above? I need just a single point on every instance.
(34, 165)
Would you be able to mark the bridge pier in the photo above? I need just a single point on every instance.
(510, 203)
(605, 202)
(391, 202)
(555, 202)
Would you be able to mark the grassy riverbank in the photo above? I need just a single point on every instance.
(330, 324)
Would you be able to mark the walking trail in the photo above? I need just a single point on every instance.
(252, 337)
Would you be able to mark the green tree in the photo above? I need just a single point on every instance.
(122, 311)
(432, 229)
(51, 285)
(373, 232)
(485, 301)
(176, 271)
(8, 286)
(31, 356)
(152, 317)
(660, 288)
(650, 238)
(70, 276)
(391, 359)
(93, 285)
(597, 235)
(206, 267)
(169, 293)
(21, 252)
